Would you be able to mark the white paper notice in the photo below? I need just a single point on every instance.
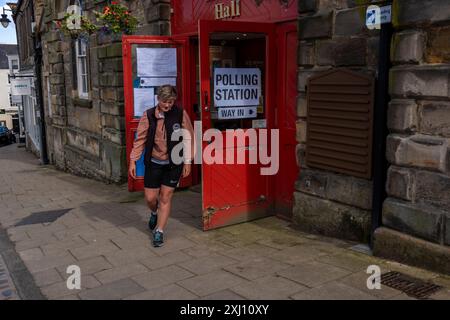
(144, 98)
(237, 87)
(156, 82)
(156, 62)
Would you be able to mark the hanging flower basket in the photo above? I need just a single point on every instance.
(116, 19)
(69, 27)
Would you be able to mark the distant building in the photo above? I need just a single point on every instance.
(9, 105)
(24, 18)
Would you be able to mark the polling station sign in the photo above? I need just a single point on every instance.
(237, 87)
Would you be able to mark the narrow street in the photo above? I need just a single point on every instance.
(54, 220)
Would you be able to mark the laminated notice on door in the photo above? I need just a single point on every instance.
(156, 62)
(237, 87)
(144, 98)
(156, 82)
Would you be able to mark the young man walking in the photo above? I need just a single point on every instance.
(162, 173)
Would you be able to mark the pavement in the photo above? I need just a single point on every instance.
(54, 220)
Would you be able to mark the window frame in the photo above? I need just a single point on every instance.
(82, 76)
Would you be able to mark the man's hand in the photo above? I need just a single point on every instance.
(186, 170)
(132, 169)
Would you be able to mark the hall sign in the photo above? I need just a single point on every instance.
(231, 10)
(237, 87)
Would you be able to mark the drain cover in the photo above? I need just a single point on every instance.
(411, 286)
(42, 217)
(7, 290)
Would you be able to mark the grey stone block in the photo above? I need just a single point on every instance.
(417, 151)
(114, 159)
(329, 218)
(434, 188)
(412, 12)
(401, 183)
(305, 74)
(112, 108)
(420, 81)
(435, 118)
(157, 12)
(301, 106)
(344, 189)
(350, 22)
(394, 245)
(316, 26)
(408, 47)
(447, 230)
(350, 190)
(307, 6)
(402, 116)
(438, 50)
(416, 220)
(114, 50)
(306, 56)
(312, 182)
(342, 52)
(301, 130)
(300, 153)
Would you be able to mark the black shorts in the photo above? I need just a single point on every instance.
(162, 174)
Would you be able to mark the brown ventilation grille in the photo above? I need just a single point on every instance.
(340, 117)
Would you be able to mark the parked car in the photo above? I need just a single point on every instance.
(6, 136)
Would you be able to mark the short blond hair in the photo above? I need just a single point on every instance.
(166, 92)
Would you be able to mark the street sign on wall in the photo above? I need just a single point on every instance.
(20, 87)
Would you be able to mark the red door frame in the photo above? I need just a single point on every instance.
(131, 123)
(227, 214)
(289, 171)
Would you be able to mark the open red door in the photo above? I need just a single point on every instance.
(151, 61)
(233, 192)
(287, 115)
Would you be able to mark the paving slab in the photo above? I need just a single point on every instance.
(313, 274)
(333, 291)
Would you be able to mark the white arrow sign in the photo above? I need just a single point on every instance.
(237, 113)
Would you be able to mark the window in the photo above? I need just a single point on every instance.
(15, 64)
(81, 76)
(81, 68)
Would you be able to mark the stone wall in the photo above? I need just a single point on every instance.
(418, 183)
(87, 136)
(332, 34)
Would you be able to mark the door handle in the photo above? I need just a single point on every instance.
(205, 100)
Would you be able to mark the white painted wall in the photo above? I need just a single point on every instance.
(4, 89)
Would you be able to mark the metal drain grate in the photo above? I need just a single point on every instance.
(411, 286)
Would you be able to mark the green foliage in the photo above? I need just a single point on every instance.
(116, 18)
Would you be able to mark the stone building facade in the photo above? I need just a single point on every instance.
(332, 34)
(416, 213)
(86, 135)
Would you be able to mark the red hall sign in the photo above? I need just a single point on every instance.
(187, 13)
